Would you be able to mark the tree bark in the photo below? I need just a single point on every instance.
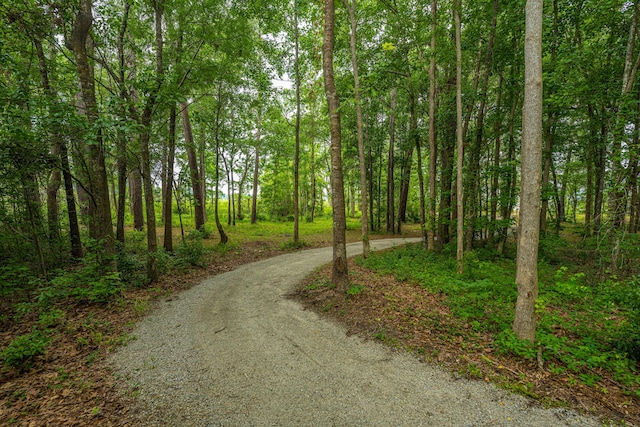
(168, 194)
(296, 158)
(524, 323)
(390, 166)
(194, 171)
(55, 177)
(100, 223)
(256, 170)
(460, 143)
(433, 149)
(351, 8)
(223, 236)
(339, 274)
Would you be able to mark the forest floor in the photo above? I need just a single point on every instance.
(385, 309)
(72, 385)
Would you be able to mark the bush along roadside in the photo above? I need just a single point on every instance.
(588, 333)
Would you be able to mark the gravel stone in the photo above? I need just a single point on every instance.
(234, 351)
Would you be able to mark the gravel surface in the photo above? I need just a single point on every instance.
(234, 351)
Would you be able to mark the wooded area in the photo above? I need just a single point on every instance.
(181, 118)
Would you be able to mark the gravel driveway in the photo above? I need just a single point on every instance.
(234, 351)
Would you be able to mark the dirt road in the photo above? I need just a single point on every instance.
(235, 351)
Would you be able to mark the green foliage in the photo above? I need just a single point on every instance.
(355, 289)
(92, 282)
(21, 351)
(131, 267)
(292, 245)
(582, 327)
(14, 277)
(51, 318)
(192, 251)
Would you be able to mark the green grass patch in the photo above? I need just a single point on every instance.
(582, 328)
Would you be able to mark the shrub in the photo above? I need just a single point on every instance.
(21, 351)
(191, 251)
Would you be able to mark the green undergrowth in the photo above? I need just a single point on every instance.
(585, 330)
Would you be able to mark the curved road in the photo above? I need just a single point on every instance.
(235, 351)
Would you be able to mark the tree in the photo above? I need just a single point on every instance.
(460, 142)
(524, 323)
(351, 8)
(100, 223)
(194, 171)
(296, 157)
(433, 150)
(339, 274)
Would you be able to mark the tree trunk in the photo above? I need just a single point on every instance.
(339, 274)
(100, 223)
(135, 193)
(223, 236)
(256, 169)
(460, 144)
(168, 194)
(55, 177)
(390, 166)
(524, 323)
(433, 149)
(194, 171)
(351, 6)
(121, 144)
(546, 170)
(296, 158)
(497, 151)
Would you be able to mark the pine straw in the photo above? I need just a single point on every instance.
(404, 315)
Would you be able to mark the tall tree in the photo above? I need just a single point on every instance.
(194, 171)
(390, 164)
(433, 150)
(524, 323)
(339, 274)
(351, 8)
(100, 223)
(460, 142)
(296, 156)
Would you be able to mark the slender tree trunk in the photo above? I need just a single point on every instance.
(256, 170)
(74, 228)
(390, 166)
(312, 167)
(351, 7)
(405, 182)
(145, 151)
(168, 194)
(135, 193)
(121, 145)
(241, 184)
(32, 203)
(223, 236)
(460, 144)
(600, 171)
(203, 179)
(339, 274)
(296, 158)
(55, 176)
(433, 150)
(495, 174)
(194, 171)
(524, 324)
(548, 152)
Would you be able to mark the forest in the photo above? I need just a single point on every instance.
(138, 137)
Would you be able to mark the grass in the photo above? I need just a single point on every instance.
(584, 330)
